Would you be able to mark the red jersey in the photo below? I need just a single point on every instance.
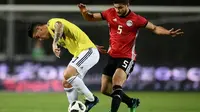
(123, 33)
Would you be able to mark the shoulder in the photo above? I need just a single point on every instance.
(107, 13)
(138, 19)
(54, 20)
(51, 23)
(110, 10)
(134, 15)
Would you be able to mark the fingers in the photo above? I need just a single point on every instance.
(176, 32)
(57, 52)
(171, 29)
(179, 33)
(103, 51)
(100, 47)
(81, 6)
(57, 49)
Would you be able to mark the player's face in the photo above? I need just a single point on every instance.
(121, 9)
(41, 33)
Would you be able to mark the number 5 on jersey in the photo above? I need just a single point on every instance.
(119, 29)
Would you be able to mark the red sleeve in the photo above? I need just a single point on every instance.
(105, 14)
(141, 21)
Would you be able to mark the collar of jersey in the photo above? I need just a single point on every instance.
(126, 14)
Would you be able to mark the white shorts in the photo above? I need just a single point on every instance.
(85, 60)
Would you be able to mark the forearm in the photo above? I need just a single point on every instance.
(87, 15)
(161, 31)
(58, 32)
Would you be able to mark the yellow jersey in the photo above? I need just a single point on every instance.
(73, 39)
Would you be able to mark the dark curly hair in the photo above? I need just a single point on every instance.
(121, 1)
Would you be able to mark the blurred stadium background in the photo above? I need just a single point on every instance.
(166, 76)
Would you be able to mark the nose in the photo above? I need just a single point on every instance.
(117, 10)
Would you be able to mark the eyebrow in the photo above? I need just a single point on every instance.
(118, 7)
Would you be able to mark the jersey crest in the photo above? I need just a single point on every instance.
(129, 23)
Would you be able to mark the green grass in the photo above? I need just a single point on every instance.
(57, 102)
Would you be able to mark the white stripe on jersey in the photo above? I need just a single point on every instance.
(133, 48)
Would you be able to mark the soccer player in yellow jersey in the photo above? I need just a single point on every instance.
(86, 55)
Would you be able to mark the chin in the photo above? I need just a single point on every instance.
(119, 14)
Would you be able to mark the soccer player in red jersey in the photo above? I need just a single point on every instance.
(123, 26)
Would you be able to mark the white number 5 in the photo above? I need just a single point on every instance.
(119, 29)
(125, 63)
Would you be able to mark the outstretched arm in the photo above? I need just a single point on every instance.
(89, 16)
(159, 30)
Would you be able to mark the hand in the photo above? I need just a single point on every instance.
(82, 7)
(174, 33)
(101, 49)
(56, 50)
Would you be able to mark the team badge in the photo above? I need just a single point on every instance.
(129, 23)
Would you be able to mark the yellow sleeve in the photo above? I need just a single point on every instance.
(51, 23)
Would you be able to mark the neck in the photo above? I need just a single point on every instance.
(127, 11)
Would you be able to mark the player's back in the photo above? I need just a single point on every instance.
(123, 32)
(73, 39)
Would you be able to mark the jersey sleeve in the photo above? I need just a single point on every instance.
(105, 14)
(141, 21)
(51, 24)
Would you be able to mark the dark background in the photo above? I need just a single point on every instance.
(133, 2)
(151, 48)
